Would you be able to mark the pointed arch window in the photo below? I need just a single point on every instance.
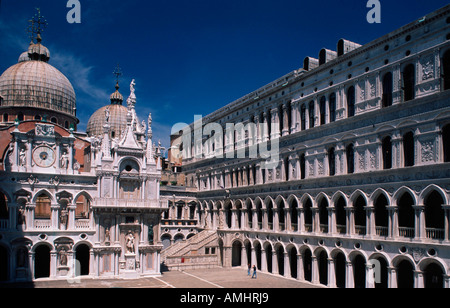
(82, 209)
(43, 207)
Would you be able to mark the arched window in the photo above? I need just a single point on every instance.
(43, 207)
(409, 82)
(323, 215)
(381, 216)
(446, 69)
(446, 142)
(312, 118)
(351, 96)
(323, 110)
(37, 118)
(434, 216)
(54, 120)
(303, 116)
(406, 216)
(360, 215)
(270, 215)
(341, 216)
(350, 151)
(387, 90)
(281, 216)
(387, 153)
(5, 117)
(408, 149)
(303, 166)
(294, 215)
(20, 117)
(332, 107)
(331, 162)
(83, 206)
(307, 210)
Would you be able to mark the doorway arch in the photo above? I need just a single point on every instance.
(82, 256)
(359, 271)
(433, 276)
(405, 275)
(340, 269)
(236, 259)
(42, 262)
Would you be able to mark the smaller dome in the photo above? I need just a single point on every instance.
(39, 52)
(116, 97)
(117, 121)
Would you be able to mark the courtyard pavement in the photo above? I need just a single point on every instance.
(191, 279)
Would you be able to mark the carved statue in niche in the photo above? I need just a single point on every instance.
(64, 160)
(63, 257)
(22, 158)
(64, 217)
(130, 242)
(107, 236)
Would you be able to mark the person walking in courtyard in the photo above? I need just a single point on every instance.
(254, 272)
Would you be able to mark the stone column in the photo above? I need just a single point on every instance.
(300, 272)
(420, 232)
(275, 124)
(286, 128)
(331, 274)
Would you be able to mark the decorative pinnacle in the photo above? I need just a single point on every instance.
(37, 25)
(118, 73)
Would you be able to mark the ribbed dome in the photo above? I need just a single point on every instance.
(117, 121)
(35, 83)
(116, 97)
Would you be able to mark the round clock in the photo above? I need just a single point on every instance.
(44, 156)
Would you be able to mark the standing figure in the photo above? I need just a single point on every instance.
(130, 243)
(254, 272)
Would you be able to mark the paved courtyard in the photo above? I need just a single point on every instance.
(191, 279)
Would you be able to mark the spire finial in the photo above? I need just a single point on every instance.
(37, 26)
(118, 73)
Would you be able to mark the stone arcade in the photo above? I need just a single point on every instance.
(363, 175)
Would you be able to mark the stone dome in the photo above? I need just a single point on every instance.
(117, 121)
(33, 83)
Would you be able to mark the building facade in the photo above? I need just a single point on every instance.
(352, 177)
(73, 204)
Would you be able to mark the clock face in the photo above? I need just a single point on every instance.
(44, 156)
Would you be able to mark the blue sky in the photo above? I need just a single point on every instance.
(190, 57)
